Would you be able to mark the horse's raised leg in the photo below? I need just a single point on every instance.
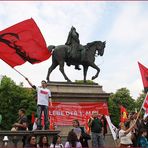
(51, 68)
(61, 64)
(97, 68)
(85, 68)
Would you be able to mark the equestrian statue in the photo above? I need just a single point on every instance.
(73, 53)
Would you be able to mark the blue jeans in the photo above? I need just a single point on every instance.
(97, 140)
(43, 108)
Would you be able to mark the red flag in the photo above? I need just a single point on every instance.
(32, 117)
(145, 104)
(23, 42)
(52, 126)
(86, 124)
(123, 112)
(144, 75)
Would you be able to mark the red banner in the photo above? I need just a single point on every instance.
(62, 113)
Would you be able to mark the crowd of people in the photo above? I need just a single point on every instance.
(77, 135)
(132, 133)
(43, 142)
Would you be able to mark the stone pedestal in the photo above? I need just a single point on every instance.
(74, 92)
(71, 92)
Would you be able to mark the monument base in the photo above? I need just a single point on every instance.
(62, 91)
(77, 94)
(78, 98)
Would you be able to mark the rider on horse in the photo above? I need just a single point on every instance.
(74, 43)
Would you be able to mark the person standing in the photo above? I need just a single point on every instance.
(43, 95)
(125, 134)
(96, 130)
(76, 128)
(21, 125)
(104, 122)
(81, 134)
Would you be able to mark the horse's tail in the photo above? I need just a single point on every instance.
(51, 47)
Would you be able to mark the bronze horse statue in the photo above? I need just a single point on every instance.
(60, 55)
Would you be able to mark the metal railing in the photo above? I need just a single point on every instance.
(13, 139)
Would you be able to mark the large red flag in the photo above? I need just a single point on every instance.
(144, 75)
(23, 42)
(124, 113)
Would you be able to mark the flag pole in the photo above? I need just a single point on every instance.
(19, 72)
(143, 103)
(141, 107)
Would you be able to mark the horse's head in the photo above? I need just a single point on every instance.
(100, 47)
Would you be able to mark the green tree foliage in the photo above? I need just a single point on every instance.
(121, 97)
(140, 100)
(13, 97)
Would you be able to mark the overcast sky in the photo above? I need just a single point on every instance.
(124, 26)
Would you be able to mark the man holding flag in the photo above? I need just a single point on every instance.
(43, 94)
(24, 42)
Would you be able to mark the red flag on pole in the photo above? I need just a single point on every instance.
(23, 42)
(123, 113)
(145, 104)
(144, 75)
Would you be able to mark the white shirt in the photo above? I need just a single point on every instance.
(125, 138)
(78, 145)
(57, 146)
(77, 131)
(43, 95)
